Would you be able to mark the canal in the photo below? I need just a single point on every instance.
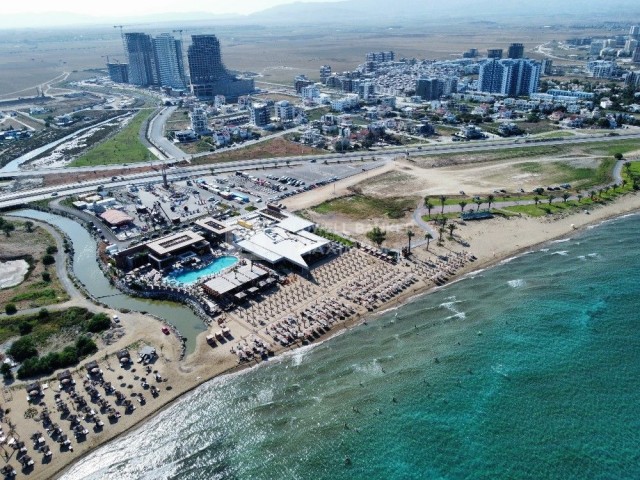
(87, 271)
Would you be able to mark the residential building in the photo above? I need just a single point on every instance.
(516, 51)
(429, 88)
(209, 77)
(471, 53)
(380, 57)
(300, 82)
(494, 53)
(142, 63)
(636, 55)
(260, 114)
(199, 122)
(596, 47)
(219, 101)
(118, 72)
(284, 111)
(509, 77)
(634, 31)
(325, 73)
(601, 68)
(310, 92)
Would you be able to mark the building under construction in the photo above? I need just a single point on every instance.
(209, 77)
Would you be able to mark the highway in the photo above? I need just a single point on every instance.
(423, 150)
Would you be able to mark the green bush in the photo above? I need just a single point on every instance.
(48, 259)
(68, 357)
(46, 276)
(51, 249)
(10, 309)
(25, 328)
(98, 323)
(6, 372)
(22, 349)
(85, 346)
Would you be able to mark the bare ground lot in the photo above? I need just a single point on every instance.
(29, 58)
(277, 147)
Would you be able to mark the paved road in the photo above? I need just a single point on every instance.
(155, 133)
(423, 150)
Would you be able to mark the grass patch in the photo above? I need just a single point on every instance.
(544, 208)
(584, 176)
(333, 237)
(362, 207)
(45, 325)
(36, 293)
(251, 208)
(123, 147)
(556, 134)
(530, 167)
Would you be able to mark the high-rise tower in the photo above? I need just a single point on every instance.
(168, 59)
(209, 77)
(142, 65)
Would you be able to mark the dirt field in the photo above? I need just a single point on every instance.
(29, 58)
(277, 147)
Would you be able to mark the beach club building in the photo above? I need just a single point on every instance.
(163, 252)
(277, 237)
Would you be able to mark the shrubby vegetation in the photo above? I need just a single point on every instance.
(35, 330)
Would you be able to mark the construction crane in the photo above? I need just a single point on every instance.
(122, 37)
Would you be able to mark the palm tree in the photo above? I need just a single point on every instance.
(536, 200)
(580, 196)
(442, 200)
(428, 237)
(452, 227)
(490, 199)
(428, 205)
(28, 226)
(478, 202)
(551, 198)
(462, 205)
(565, 197)
(614, 186)
(592, 195)
(410, 235)
(441, 231)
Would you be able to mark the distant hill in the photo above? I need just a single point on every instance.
(412, 11)
(368, 12)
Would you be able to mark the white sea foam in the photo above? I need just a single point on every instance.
(517, 283)
(544, 249)
(564, 253)
(562, 240)
(593, 255)
(451, 307)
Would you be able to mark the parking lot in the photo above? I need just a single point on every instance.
(155, 208)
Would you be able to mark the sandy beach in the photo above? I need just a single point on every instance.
(491, 241)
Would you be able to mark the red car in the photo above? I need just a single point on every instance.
(166, 330)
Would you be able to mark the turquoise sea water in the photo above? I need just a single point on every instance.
(187, 277)
(536, 377)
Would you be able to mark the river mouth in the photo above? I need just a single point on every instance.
(87, 271)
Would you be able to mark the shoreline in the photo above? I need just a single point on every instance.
(192, 368)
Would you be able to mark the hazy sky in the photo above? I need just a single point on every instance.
(113, 8)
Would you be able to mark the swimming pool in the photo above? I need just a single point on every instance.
(187, 277)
